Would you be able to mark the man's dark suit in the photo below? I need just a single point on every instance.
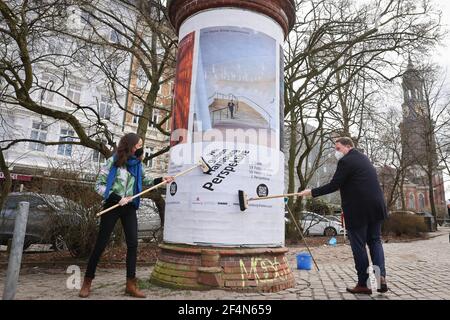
(364, 210)
(361, 195)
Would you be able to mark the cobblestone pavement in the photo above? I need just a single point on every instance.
(416, 270)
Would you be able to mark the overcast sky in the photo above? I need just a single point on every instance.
(442, 55)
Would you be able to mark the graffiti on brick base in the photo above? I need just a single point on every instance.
(263, 271)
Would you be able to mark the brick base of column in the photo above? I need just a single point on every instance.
(238, 269)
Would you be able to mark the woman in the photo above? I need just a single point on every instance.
(120, 179)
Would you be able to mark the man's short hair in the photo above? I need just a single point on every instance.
(345, 141)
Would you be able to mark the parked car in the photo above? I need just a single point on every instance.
(40, 226)
(315, 224)
(333, 218)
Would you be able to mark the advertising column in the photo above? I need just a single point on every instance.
(228, 111)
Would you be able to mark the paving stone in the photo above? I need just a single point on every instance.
(415, 270)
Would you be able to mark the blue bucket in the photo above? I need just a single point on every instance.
(304, 261)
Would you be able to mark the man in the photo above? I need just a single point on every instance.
(231, 108)
(364, 210)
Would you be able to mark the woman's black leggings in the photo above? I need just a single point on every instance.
(127, 215)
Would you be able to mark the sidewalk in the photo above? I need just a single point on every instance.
(416, 270)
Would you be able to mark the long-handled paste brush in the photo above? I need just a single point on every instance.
(202, 164)
(301, 235)
(243, 203)
(244, 199)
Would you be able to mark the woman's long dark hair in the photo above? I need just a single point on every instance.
(124, 150)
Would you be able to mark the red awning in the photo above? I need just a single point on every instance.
(15, 176)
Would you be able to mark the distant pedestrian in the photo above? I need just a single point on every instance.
(231, 107)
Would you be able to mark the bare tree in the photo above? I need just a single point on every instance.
(36, 66)
(334, 35)
(337, 55)
(25, 50)
(383, 145)
(48, 47)
(142, 31)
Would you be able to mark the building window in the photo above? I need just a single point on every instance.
(114, 36)
(398, 204)
(66, 149)
(137, 110)
(105, 108)
(419, 94)
(421, 201)
(155, 118)
(73, 95)
(85, 17)
(148, 153)
(412, 201)
(167, 125)
(48, 83)
(39, 133)
(142, 80)
(97, 156)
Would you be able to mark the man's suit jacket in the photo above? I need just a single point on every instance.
(361, 195)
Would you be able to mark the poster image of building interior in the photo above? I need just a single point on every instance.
(236, 85)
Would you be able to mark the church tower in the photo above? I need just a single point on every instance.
(419, 146)
(418, 140)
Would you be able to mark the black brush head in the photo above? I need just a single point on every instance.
(206, 168)
(243, 200)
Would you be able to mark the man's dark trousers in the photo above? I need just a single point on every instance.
(369, 234)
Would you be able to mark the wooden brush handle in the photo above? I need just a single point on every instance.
(147, 190)
(274, 197)
(133, 197)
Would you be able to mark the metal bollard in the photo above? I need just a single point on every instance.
(15, 257)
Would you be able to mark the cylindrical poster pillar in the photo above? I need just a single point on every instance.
(228, 109)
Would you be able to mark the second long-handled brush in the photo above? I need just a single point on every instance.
(244, 199)
(301, 235)
(243, 203)
(202, 164)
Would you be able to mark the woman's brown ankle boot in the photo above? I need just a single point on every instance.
(132, 289)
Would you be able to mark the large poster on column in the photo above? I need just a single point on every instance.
(234, 124)
(236, 83)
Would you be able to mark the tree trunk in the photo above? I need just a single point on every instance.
(290, 230)
(147, 112)
(156, 196)
(431, 193)
(402, 191)
(7, 182)
(291, 160)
